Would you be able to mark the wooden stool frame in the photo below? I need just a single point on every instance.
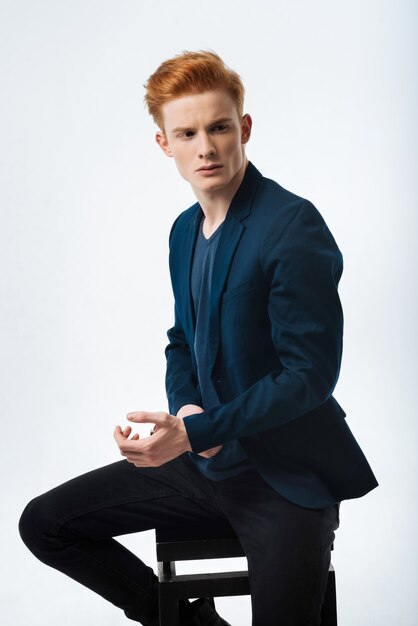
(172, 546)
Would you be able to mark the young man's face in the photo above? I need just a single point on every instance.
(204, 130)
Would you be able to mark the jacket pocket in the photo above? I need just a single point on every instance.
(238, 290)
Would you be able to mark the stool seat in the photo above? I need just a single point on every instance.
(185, 545)
(173, 544)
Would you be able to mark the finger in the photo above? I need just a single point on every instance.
(138, 416)
(134, 436)
(155, 417)
(132, 446)
(211, 452)
(117, 434)
(126, 431)
(121, 438)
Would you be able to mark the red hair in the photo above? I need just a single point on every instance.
(190, 73)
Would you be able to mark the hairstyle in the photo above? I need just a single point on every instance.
(191, 73)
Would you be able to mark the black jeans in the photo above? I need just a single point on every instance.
(71, 528)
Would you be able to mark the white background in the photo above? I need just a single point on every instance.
(87, 201)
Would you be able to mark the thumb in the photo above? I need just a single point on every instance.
(144, 417)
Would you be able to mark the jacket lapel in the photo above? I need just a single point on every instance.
(231, 233)
(189, 318)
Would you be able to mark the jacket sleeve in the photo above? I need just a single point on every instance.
(180, 381)
(303, 265)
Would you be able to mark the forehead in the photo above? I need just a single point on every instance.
(200, 108)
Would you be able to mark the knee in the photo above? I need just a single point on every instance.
(36, 524)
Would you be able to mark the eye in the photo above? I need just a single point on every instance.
(186, 134)
(220, 127)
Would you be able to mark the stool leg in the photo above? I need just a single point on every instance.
(169, 606)
(329, 606)
(167, 597)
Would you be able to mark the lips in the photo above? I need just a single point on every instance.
(206, 168)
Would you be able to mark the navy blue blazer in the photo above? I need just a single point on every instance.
(275, 337)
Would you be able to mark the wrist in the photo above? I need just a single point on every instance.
(189, 409)
(182, 426)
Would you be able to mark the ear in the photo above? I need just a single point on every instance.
(161, 139)
(246, 124)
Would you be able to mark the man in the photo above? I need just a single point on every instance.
(254, 439)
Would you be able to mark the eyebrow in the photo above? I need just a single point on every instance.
(180, 129)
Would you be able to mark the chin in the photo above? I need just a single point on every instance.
(213, 184)
(222, 178)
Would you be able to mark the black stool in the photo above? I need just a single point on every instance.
(176, 545)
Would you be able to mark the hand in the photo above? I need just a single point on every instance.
(189, 409)
(169, 439)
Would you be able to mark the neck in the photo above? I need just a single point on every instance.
(215, 204)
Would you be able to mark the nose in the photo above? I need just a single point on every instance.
(206, 146)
